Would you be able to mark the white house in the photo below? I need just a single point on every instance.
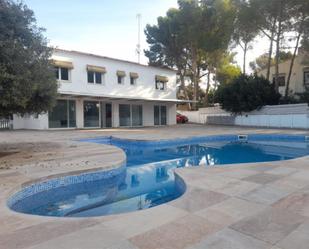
(299, 81)
(98, 92)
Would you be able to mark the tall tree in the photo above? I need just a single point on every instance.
(244, 30)
(269, 20)
(199, 29)
(27, 79)
(299, 24)
(167, 47)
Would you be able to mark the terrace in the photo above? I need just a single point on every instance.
(252, 205)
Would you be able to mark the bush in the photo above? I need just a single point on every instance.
(247, 93)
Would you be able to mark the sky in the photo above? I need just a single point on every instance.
(107, 27)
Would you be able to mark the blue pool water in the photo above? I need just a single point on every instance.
(148, 178)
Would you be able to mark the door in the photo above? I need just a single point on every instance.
(160, 115)
(108, 115)
(156, 115)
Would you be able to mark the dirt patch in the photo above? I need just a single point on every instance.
(3, 154)
(19, 154)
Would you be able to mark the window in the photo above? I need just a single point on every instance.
(306, 77)
(90, 77)
(161, 82)
(133, 78)
(130, 115)
(160, 85)
(94, 77)
(62, 73)
(120, 76)
(281, 80)
(91, 114)
(63, 114)
(120, 79)
(160, 115)
(132, 81)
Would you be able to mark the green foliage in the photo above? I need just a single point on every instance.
(247, 93)
(261, 62)
(227, 73)
(191, 38)
(27, 79)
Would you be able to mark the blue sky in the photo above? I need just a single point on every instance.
(106, 27)
(98, 26)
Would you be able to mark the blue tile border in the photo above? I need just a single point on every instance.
(61, 182)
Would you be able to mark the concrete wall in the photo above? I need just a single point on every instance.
(279, 116)
(30, 122)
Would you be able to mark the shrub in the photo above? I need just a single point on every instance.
(247, 93)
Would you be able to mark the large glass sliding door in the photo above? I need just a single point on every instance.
(124, 115)
(160, 115)
(137, 115)
(63, 114)
(91, 114)
(130, 115)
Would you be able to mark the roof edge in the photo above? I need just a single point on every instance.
(111, 58)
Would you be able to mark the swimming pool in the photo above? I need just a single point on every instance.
(148, 178)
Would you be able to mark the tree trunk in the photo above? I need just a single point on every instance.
(183, 88)
(291, 65)
(207, 90)
(195, 78)
(271, 49)
(245, 55)
(278, 47)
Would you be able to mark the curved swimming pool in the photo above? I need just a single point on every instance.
(148, 178)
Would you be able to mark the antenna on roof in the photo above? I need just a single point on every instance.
(138, 46)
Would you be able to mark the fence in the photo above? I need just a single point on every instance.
(4, 124)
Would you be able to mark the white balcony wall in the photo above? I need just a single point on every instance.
(145, 83)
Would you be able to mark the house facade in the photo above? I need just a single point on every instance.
(102, 92)
(300, 74)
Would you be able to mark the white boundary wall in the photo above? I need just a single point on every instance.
(278, 116)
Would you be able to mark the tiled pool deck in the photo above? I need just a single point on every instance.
(248, 206)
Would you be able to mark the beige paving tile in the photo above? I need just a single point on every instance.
(135, 223)
(230, 211)
(198, 199)
(237, 173)
(265, 195)
(238, 188)
(301, 174)
(96, 237)
(230, 239)
(262, 178)
(291, 183)
(271, 225)
(177, 234)
(284, 171)
(299, 238)
(212, 182)
(36, 234)
(263, 167)
(296, 202)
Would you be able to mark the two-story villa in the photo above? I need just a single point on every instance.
(98, 92)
